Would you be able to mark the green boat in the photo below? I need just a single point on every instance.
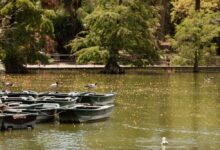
(84, 113)
(84, 97)
(22, 120)
(26, 93)
(46, 112)
(60, 101)
(24, 100)
(97, 99)
(1, 120)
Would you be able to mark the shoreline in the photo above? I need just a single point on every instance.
(160, 68)
(156, 68)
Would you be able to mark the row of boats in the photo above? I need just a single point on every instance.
(24, 109)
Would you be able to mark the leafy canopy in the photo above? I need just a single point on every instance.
(196, 34)
(112, 29)
(24, 27)
(25, 24)
(183, 8)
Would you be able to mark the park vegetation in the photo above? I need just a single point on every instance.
(109, 32)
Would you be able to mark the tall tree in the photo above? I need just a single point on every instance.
(197, 5)
(196, 53)
(194, 39)
(67, 23)
(116, 29)
(25, 25)
(183, 8)
(165, 19)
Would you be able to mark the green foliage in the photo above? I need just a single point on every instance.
(129, 27)
(183, 8)
(14, 61)
(34, 57)
(25, 26)
(65, 30)
(91, 55)
(195, 35)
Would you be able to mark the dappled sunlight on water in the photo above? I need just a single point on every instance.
(182, 107)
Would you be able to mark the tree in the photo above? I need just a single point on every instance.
(25, 26)
(194, 38)
(187, 8)
(197, 5)
(166, 27)
(117, 28)
(196, 59)
(67, 24)
(183, 8)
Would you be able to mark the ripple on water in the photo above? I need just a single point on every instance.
(216, 133)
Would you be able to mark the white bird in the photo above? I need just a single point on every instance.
(164, 141)
(7, 85)
(55, 86)
(91, 86)
(208, 79)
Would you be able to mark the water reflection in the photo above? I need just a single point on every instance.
(181, 107)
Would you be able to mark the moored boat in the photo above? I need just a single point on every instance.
(1, 120)
(24, 100)
(60, 101)
(84, 113)
(97, 99)
(26, 93)
(53, 94)
(84, 97)
(19, 120)
(46, 113)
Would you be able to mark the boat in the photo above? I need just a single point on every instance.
(46, 113)
(60, 101)
(80, 113)
(97, 99)
(24, 106)
(24, 100)
(26, 93)
(84, 97)
(22, 120)
(53, 94)
(1, 120)
(61, 95)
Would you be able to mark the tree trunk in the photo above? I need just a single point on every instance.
(112, 66)
(196, 62)
(120, 2)
(163, 19)
(14, 62)
(196, 58)
(198, 5)
(217, 40)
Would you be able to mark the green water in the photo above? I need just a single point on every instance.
(182, 107)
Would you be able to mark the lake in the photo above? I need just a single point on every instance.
(183, 107)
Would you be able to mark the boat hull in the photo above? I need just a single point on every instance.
(1, 120)
(19, 121)
(45, 115)
(60, 102)
(97, 99)
(85, 114)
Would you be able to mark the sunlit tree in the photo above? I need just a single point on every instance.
(25, 25)
(183, 8)
(194, 39)
(115, 29)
